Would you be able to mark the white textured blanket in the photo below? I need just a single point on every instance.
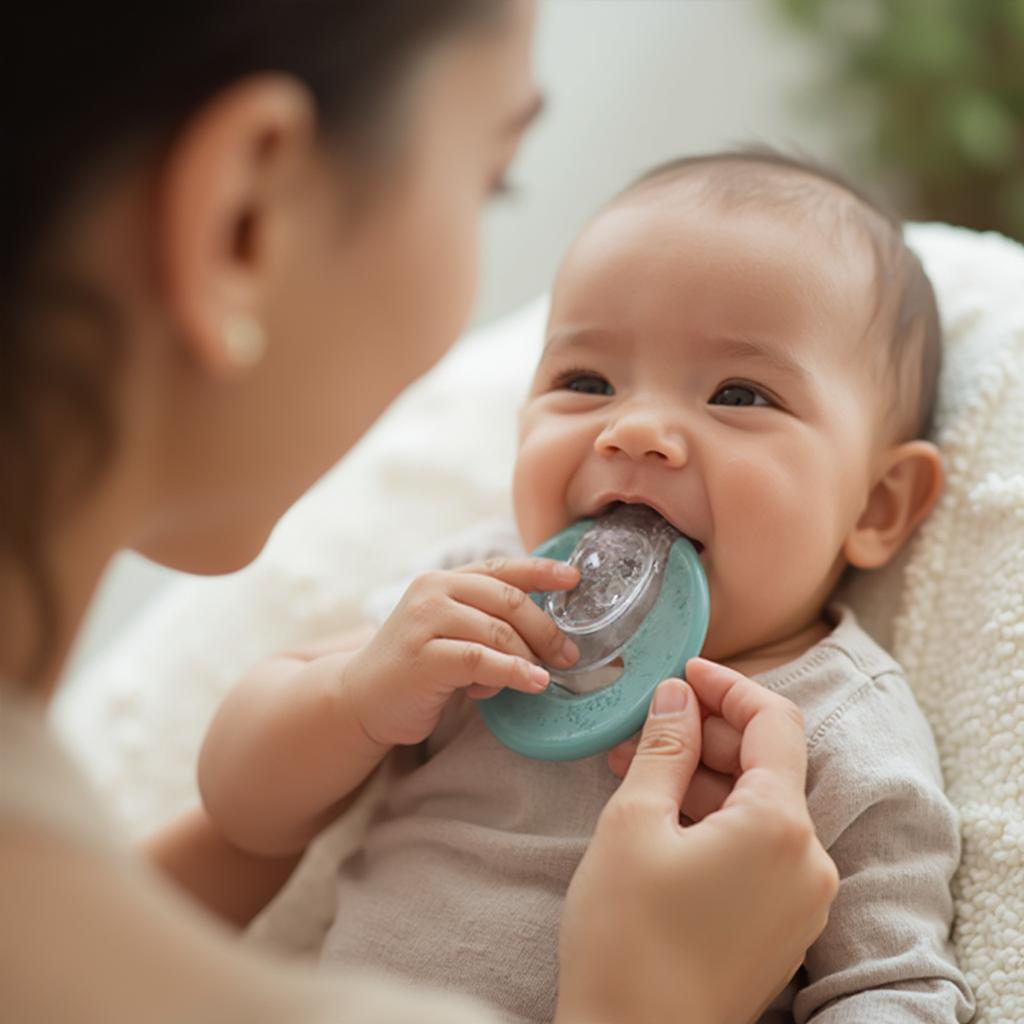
(952, 610)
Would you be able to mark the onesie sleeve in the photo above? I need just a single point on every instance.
(875, 793)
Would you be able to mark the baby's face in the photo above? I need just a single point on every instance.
(719, 368)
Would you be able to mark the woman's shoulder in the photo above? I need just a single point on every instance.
(90, 933)
(85, 939)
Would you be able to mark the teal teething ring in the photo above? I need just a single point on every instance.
(559, 725)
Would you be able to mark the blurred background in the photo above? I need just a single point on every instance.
(920, 100)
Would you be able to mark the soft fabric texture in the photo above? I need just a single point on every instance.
(462, 875)
(951, 610)
(170, 963)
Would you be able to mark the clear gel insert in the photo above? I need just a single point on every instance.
(622, 560)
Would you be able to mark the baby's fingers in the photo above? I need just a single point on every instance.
(511, 613)
(620, 757)
(478, 692)
(465, 663)
(476, 626)
(527, 573)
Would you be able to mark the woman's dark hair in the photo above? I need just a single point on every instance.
(89, 83)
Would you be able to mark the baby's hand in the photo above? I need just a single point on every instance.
(473, 628)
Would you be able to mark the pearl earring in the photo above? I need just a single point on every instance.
(245, 340)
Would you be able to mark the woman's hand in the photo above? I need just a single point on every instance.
(706, 922)
(473, 628)
(714, 777)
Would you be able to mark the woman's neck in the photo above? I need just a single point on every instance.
(35, 643)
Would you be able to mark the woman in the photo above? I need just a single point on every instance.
(235, 229)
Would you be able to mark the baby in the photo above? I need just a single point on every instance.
(745, 344)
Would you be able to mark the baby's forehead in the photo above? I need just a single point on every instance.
(815, 214)
(751, 182)
(672, 256)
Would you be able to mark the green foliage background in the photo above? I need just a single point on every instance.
(943, 82)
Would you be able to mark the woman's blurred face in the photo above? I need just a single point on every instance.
(377, 276)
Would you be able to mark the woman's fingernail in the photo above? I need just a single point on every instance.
(539, 677)
(670, 698)
(569, 652)
(565, 571)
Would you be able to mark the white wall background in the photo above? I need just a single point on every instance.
(629, 83)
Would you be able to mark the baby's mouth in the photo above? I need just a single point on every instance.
(619, 502)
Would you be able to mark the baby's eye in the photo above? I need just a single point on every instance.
(587, 384)
(739, 394)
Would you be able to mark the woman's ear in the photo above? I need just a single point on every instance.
(224, 209)
(906, 491)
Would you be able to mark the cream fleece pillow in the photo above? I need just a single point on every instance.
(959, 624)
(952, 610)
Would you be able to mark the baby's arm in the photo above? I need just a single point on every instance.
(300, 734)
(233, 884)
(877, 801)
(285, 752)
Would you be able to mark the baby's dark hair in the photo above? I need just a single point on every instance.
(905, 309)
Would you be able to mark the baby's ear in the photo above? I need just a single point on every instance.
(902, 496)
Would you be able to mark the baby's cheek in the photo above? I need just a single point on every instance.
(772, 525)
(533, 497)
(552, 453)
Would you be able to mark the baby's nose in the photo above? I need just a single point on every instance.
(641, 436)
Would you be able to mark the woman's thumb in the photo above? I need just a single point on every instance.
(669, 749)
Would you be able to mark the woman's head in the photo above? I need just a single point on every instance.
(308, 173)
